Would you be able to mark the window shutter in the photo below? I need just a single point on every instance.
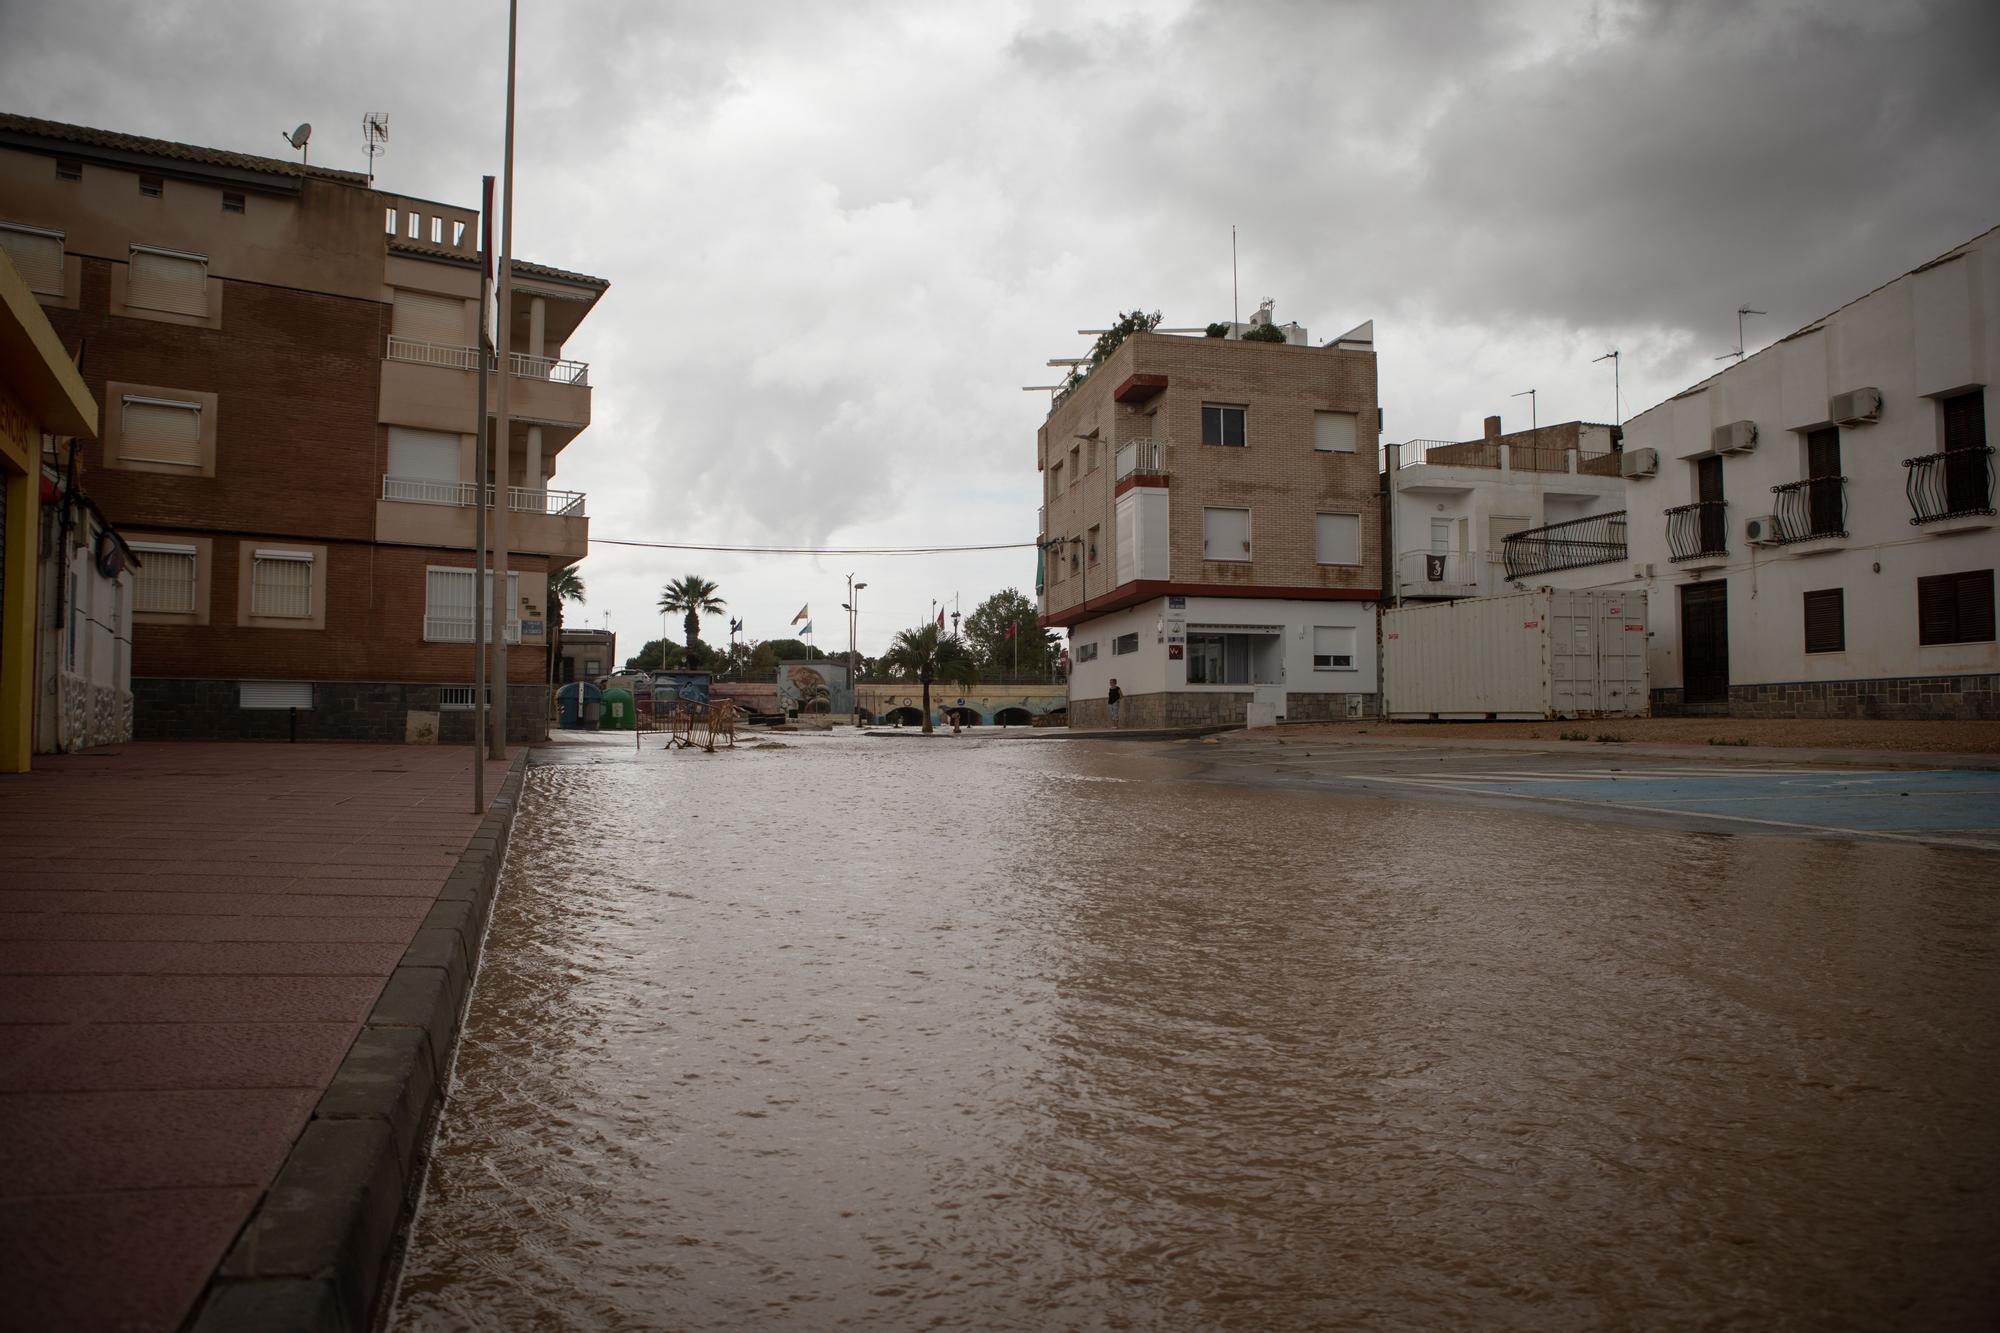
(281, 584)
(164, 581)
(274, 694)
(37, 255)
(1826, 621)
(1333, 648)
(1339, 539)
(158, 431)
(431, 319)
(1965, 421)
(174, 283)
(423, 455)
(1333, 432)
(1975, 606)
(1225, 534)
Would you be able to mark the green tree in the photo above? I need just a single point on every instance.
(658, 655)
(565, 585)
(766, 655)
(986, 633)
(691, 597)
(1128, 323)
(927, 656)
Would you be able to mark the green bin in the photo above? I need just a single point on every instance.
(617, 713)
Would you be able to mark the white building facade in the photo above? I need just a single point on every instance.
(1815, 524)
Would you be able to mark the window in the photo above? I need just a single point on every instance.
(160, 430)
(1337, 538)
(1241, 655)
(1055, 480)
(232, 201)
(593, 666)
(167, 280)
(68, 169)
(457, 234)
(1441, 536)
(437, 231)
(274, 694)
(1955, 608)
(281, 584)
(426, 318)
(1967, 490)
(1225, 534)
(1333, 432)
(454, 698)
(448, 606)
(1093, 543)
(1087, 652)
(164, 582)
(1124, 643)
(1826, 621)
(38, 256)
(151, 187)
(1222, 424)
(416, 227)
(423, 466)
(1333, 648)
(392, 215)
(1076, 460)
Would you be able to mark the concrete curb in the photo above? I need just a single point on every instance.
(1718, 754)
(316, 1253)
(1065, 734)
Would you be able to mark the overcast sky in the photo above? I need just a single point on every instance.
(841, 237)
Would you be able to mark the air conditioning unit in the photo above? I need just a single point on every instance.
(1639, 463)
(1738, 437)
(1642, 571)
(1857, 407)
(1762, 530)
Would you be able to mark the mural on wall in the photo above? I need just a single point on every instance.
(690, 687)
(814, 687)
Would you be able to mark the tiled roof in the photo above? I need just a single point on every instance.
(522, 268)
(422, 251)
(84, 136)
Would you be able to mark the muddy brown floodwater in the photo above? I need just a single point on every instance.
(894, 1034)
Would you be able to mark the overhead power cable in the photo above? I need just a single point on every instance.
(812, 550)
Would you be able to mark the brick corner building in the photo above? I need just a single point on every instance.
(1211, 528)
(287, 360)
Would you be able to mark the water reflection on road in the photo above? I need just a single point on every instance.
(890, 1034)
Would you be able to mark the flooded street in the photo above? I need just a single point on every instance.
(844, 1032)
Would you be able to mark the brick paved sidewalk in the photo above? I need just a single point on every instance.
(190, 938)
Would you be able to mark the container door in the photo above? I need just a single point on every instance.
(1705, 642)
(1572, 631)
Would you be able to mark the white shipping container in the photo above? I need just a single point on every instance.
(1551, 653)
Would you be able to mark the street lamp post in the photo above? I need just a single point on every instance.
(853, 608)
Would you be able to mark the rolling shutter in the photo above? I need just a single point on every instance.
(157, 430)
(274, 694)
(164, 280)
(1338, 538)
(1965, 421)
(37, 256)
(423, 455)
(1333, 432)
(1955, 608)
(1225, 534)
(1826, 621)
(164, 581)
(281, 584)
(425, 318)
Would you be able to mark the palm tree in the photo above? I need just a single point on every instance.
(565, 585)
(694, 597)
(930, 655)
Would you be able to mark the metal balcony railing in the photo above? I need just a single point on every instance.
(1142, 456)
(1957, 483)
(1815, 507)
(520, 499)
(1594, 540)
(458, 629)
(1697, 529)
(1442, 574)
(520, 364)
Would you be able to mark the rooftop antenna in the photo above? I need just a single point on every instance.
(1534, 422)
(1233, 311)
(297, 139)
(1616, 407)
(1741, 311)
(375, 129)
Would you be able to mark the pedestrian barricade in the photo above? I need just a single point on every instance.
(689, 725)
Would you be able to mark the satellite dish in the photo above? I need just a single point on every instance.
(298, 137)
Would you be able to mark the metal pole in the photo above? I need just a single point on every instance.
(503, 470)
(479, 697)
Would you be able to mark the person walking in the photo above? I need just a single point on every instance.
(1112, 699)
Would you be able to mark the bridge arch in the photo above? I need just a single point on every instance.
(1015, 716)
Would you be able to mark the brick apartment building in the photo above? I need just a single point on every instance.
(286, 362)
(1212, 528)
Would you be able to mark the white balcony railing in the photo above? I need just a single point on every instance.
(1141, 456)
(522, 365)
(458, 629)
(1452, 574)
(520, 499)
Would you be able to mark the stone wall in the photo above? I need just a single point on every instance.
(1903, 698)
(1206, 708)
(91, 714)
(343, 710)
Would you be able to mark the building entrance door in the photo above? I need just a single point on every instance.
(1705, 642)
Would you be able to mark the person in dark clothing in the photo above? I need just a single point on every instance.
(1112, 699)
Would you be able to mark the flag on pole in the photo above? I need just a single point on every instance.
(940, 618)
(807, 631)
(1010, 632)
(802, 613)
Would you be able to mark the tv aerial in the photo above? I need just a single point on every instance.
(375, 129)
(297, 139)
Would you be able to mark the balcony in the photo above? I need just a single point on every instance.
(1141, 458)
(1698, 531)
(1595, 540)
(545, 390)
(1450, 574)
(1811, 510)
(1950, 487)
(420, 511)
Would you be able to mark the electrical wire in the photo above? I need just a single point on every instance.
(813, 550)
